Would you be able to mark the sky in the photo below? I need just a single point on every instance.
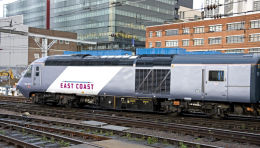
(197, 4)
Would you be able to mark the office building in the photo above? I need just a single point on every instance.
(239, 34)
(226, 8)
(114, 24)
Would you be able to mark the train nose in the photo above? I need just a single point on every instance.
(19, 87)
(22, 88)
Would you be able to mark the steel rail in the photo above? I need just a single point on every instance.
(32, 131)
(17, 143)
(120, 133)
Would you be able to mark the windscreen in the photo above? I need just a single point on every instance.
(28, 72)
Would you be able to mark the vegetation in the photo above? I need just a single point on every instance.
(64, 144)
(152, 140)
(182, 145)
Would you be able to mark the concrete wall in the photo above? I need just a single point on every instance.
(18, 50)
(14, 47)
(187, 14)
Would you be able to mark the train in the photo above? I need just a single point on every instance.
(211, 85)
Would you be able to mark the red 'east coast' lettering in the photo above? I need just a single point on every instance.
(77, 86)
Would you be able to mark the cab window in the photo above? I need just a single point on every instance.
(28, 72)
(216, 75)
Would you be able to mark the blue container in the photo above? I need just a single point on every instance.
(100, 52)
(141, 51)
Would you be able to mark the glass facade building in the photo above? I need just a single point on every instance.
(114, 24)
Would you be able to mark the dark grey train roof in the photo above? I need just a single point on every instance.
(216, 59)
(148, 60)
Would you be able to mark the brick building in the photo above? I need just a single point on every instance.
(35, 52)
(240, 34)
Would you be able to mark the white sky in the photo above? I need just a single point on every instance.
(2, 2)
(198, 4)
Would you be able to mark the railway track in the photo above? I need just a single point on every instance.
(27, 137)
(198, 131)
(243, 126)
(14, 99)
(82, 129)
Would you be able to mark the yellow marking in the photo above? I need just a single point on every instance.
(131, 100)
(145, 102)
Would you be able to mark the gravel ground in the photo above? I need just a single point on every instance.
(209, 141)
(193, 139)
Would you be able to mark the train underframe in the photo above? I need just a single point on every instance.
(187, 107)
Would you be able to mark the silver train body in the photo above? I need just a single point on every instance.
(169, 83)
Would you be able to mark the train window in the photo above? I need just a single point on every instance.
(37, 68)
(216, 75)
(28, 72)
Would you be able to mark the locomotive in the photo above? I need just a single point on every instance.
(212, 85)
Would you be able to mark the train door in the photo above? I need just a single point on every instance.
(36, 75)
(215, 83)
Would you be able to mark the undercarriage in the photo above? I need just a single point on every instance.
(161, 105)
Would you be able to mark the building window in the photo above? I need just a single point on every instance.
(254, 37)
(67, 42)
(255, 24)
(235, 51)
(158, 33)
(171, 43)
(61, 41)
(215, 28)
(254, 50)
(235, 39)
(216, 75)
(158, 44)
(36, 56)
(185, 31)
(150, 34)
(171, 32)
(185, 42)
(256, 5)
(150, 44)
(199, 29)
(214, 40)
(236, 26)
(197, 42)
